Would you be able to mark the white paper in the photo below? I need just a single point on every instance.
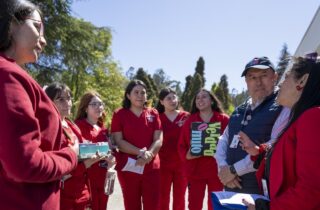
(235, 141)
(131, 166)
(226, 197)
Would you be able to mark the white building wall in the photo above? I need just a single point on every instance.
(311, 39)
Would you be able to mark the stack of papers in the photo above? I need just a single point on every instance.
(224, 200)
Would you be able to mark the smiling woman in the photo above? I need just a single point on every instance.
(137, 132)
(32, 161)
(27, 40)
(201, 169)
(91, 120)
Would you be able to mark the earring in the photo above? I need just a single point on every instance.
(298, 87)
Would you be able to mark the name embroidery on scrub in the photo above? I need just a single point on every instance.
(150, 118)
(181, 122)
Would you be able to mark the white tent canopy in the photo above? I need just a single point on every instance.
(311, 39)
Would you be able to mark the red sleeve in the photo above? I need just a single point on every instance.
(158, 125)
(26, 152)
(305, 193)
(184, 139)
(224, 122)
(79, 170)
(116, 125)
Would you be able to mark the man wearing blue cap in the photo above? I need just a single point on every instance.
(255, 117)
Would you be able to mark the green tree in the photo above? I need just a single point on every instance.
(193, 84)
(239, 98)
(162, 80)
(283, 61)
(186, 95)
(151, 87)
(175, 85)
(226, 100)
(78, 54)
(130, 73)
(200, 70)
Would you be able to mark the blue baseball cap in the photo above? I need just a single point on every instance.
(258, 63)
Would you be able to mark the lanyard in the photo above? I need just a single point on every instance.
(246, 117)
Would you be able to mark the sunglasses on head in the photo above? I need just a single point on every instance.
(313, 57)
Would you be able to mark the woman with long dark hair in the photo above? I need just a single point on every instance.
(290, 170)
(137, 132)
(202, 170)
(74, 188)
(32, 161)
(172, 167)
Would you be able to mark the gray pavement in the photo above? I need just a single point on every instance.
(116, 201)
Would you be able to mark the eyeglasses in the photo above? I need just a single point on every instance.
(62, 99)
(171, 98)
(97, 104)
(40, 27)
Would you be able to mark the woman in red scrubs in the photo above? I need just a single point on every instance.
(90, 119)
(74, 189)
(137, 132)
(202, 170)
(172, 167)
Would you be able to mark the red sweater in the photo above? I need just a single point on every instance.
(75, 189)
(294, 173)
(96, 174)
(31, 159)
(202, 167)
(169, 155)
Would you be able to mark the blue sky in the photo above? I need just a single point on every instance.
(173, 34)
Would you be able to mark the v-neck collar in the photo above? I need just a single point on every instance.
(212, 119)
(141, 114)
(174, 120)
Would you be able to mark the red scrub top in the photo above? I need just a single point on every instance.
(75, 189)
(204, 166)
(138, 131)
(96, 174)
(168, 153)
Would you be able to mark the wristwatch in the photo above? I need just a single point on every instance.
(233, 170)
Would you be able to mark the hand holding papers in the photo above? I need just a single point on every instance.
(131, 166)
(224, 200)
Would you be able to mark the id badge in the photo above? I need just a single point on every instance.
(235, 141)
(265, 188)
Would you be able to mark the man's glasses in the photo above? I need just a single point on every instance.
(97, 104)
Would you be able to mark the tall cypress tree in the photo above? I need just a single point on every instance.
(283, 61)
(221, 90)
(223, 84)
(200, 70)
(151, 87)
(193, 84)
(185, 98)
